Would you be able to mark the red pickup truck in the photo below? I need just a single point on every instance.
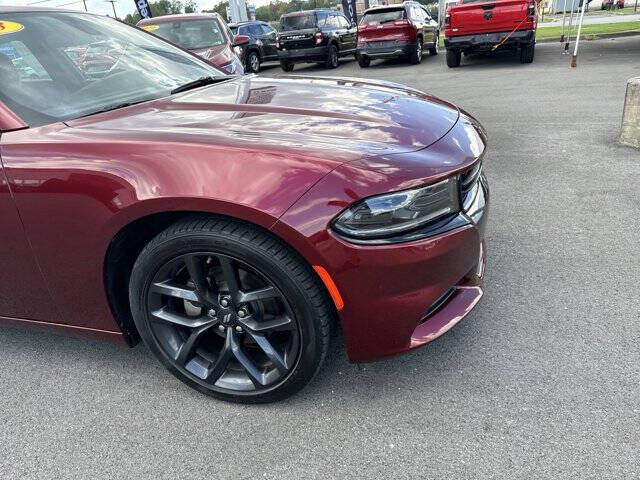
(474, 26)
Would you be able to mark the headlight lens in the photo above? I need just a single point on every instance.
(393, 213)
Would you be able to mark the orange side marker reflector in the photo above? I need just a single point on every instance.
(331, 286)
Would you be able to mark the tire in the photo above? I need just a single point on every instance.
(415, 57)
(287, 66)
(453, 58)
(434, 50)
(363, 61)
(226, 344)
(527, 52)
(253, 61)
(332, 57)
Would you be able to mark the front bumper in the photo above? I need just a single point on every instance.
(486, 41)
(409, 294)
(301, 55)
(390, 51)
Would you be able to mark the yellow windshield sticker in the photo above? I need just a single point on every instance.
(9, 27)
(150, 28)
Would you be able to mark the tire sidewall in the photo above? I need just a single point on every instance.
(151, 260)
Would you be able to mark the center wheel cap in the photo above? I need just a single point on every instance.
(227, 318)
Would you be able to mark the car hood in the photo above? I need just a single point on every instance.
(341, 118)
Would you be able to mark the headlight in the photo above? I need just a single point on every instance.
(234, 66)
(393, 213)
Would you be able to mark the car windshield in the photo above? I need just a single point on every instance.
(59, 66)
(383, 16)
(298, 21)
(190, 34)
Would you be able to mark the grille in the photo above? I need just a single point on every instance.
(469, 178)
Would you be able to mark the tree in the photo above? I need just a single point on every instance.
(190, 7)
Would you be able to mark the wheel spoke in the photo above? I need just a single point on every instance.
(172, 289)
(197, 271)
(259, 294)
(280, 322)
(271, 352)
(188, 347)
(166, 316)
(255, 375)
(230, 273)
(220, 365)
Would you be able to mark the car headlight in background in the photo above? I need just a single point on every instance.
(393, 213)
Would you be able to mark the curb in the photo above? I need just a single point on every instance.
(591, 36)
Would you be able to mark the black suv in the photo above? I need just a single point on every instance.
(262, 43)
(320, 36)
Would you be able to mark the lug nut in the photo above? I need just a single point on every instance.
(221, 328)
(239, 329)
(242, 313)
(211, 313)
(224, 302)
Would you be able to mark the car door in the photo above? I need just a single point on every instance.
(23, 293)
(268, 38)
(430, 26)
(415, 12)
(349, 33)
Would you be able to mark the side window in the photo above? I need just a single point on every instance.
(417, 13)
(426, 15)
(334, 21)
(266, 29)
(322, 20)
(255, 30)
(344, 23)
(244, 30)
(24, 62)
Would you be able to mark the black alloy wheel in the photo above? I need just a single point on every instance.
(240, 320)
(332, 57)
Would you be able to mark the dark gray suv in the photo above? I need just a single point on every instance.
(262, 43)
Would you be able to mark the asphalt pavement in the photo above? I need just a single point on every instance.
(541, 380)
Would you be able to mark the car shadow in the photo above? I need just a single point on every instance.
(338, 379)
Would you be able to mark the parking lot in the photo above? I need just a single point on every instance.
(542, 380)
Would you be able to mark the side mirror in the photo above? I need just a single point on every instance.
(239, 40)
(353, 25)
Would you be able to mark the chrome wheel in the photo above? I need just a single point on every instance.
(254, 62)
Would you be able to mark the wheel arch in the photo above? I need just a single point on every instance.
(131, 238)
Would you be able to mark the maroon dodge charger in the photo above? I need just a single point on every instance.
(228, 222)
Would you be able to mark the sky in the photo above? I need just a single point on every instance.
(100, 6)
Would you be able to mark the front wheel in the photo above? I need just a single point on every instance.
(527, 52)
(230, 310)
(453, 58)
(332, 57)
(434, 50)
(253, 62)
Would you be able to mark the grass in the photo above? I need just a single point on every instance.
(590, 30)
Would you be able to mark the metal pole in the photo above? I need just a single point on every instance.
(566, 45)
(575, 50)
(85, 5)
(564, 15)
(635, 7)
